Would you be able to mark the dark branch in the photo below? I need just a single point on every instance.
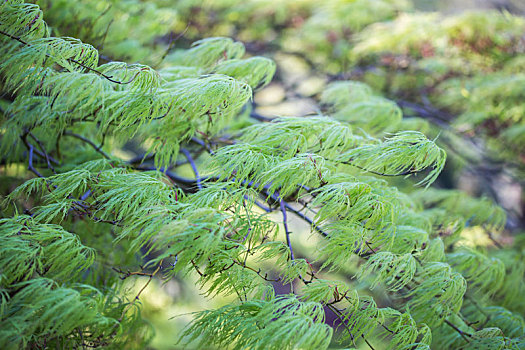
(30, 166)
(286, 230)
(464, 335)
(89, 142)
(188, 156)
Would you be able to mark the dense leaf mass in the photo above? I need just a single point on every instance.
(113, 169)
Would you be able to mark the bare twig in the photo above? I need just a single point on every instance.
(188, 156)
(46, 155)
(30, 166)
(464, 335)
(172, 43)
(286, 230)
(89, 142)
(140, 292)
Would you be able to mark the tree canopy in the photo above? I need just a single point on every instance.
(133, 152)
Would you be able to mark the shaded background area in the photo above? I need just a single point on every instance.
(451, 6)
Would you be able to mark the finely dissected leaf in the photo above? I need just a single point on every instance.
(326, 291)
(393, 270)
(280, 323)
(41, 308)
(28, 247)
(404, 152)
(352, 202)
(479, 271)
(342, 93)
(290, 136)
(439, 292)
(456, 203)
(256, 71)
(207, 52)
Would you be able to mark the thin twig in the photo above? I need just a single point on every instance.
(38, 152)
(46, 155)
(72, 60)
(30, 166)
(260, 117)
(260, 205)
(188, 156)
(172, 43)
(286, 230)
(89, 142)
(464, 335)
(491, 237)
(258, 272)
(403, 173)
(203, 144)
(340, 317)
(140, 292)
(174, 177)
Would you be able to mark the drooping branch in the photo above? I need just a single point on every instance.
(72, 60)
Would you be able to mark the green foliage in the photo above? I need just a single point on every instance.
(439, 293)
(325, 290)
(350, 200)
(58, 312)
(354, 103)
(394, 271)
(282, 322)
(491, 104)
(402, 154)
(480, 271)
(470, 61)
(328, 31)
(43, 314)
(106, 195)
(29, 248)
(462, 210)
(126, 30)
